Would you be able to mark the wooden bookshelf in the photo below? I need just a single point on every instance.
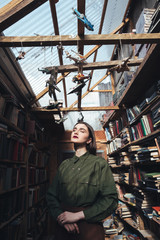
(143, 77)
(146, 75)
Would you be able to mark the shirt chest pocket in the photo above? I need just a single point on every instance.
(88, 187)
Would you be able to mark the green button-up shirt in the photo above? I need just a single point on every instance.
(81, 182)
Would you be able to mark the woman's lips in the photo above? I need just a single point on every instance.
(75, 137)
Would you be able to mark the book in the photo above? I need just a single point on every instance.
(153, 175)
(157, 209)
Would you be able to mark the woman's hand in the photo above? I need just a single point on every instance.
(70, 217)
(71, 227)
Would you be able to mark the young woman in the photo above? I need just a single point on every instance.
(83, 192)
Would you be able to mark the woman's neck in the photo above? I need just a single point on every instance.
(80, 151)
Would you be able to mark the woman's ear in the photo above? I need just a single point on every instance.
(89, 140)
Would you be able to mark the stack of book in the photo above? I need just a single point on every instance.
(123, 210)
(152, 181)
(117, 177)
(143, 199)
(143, 154)
(112, 161)
(125, 136)
(125, 158)
(113, 226)
(124, 177)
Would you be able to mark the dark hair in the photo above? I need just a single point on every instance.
(91, 147)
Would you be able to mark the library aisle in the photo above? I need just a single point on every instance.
(77, 61)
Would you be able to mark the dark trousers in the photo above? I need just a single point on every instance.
(88, 231)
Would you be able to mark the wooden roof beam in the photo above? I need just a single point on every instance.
(105, 39)
(56, 30)
(17, 9)
(96, 65)
(87, 55)
(101, 108)
(81, 9)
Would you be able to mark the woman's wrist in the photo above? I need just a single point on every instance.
(80, 215)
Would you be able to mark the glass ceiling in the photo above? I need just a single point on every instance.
(39, 22)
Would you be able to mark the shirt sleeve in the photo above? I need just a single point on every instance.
(52, 199)
(107, 199)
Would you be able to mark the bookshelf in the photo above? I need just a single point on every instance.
(24, 157)
(12, 168)
(133, 146)
(37, 168)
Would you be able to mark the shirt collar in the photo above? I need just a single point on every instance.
(83, 157)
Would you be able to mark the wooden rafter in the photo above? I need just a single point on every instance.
(17, 9)
(99, 32)
(77, 109)
(66, 40)
(56, 30)
(81, 9)
(96, 65)
(87, 55)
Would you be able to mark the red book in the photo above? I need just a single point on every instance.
(140, 129)
(139, 132)
(15, 151)
(150, 122)
(117, 126)
(157, 209)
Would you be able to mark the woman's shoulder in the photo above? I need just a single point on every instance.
(99, 159)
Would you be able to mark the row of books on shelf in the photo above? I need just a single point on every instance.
(144, 202)
(37, 193)
(36, 221)
(118, 142)
(146, 180)
(11, 110)
(142, 125)
(13, 230)
(142, 128)
(135, 176)
(37, 157)
(140, 153)
(132, 218)
(12, 145)
(127, 136)
(11, 203)
(135, 153)
(11, 177)
(120, 228)
(115, 127)
(37, 175)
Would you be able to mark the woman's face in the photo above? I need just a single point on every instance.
(80, 134)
